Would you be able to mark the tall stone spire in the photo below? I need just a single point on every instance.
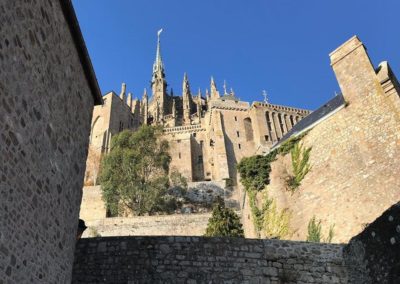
(158, 82)
(187, 100)
(214, 92)
(158, 64)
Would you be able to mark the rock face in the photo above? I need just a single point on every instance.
(46, 102)
(206, 260)
(374, 255)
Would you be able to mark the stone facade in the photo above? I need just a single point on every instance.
(208, 134)
(47, 93)
(354, 152)
(206, 260)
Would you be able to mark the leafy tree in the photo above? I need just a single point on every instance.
(224, 222)
(134, 175)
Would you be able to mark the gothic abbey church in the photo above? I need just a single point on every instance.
(208, 135)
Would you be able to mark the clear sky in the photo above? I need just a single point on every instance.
(281, 46)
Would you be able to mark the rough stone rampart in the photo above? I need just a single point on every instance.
(206, 260)
(162, 225)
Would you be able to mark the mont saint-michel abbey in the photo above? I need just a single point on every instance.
(208, 133)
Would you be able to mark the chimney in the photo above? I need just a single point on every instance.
(353, 69)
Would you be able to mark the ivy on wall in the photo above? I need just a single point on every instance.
(255, 176)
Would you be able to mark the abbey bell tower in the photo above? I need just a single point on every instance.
(158, 83)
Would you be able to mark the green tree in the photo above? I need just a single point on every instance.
(224, 222)
(134, 175)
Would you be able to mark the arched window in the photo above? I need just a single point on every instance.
(248, 128)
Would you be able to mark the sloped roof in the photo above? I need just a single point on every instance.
(313, 118)
(80, 45)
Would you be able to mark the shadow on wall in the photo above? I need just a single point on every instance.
(373, 256)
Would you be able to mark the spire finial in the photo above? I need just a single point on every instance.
(225, 93)
(158, 65)
(264, 92)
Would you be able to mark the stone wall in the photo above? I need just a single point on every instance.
(354, 174)
(206, 260)
(162, 225)
(92, 205)
(46, 102)
(374, 255)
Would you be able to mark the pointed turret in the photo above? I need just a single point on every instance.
(187, 100)
(123, 90)
(207, 96)
(145, 107)
(198, 104)
(173, 108)
(173, 113)
(129, 101)
(214, 92)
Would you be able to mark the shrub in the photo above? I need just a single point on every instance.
(314, 230)
(224, 222)
(300, 164)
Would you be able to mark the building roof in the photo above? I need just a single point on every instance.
(73, 25)
(313, 118)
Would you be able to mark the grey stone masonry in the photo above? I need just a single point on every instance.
(206, 260)
(373, 256)
(46, 104)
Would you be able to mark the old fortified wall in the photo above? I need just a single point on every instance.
(47, 93)
(371, 257)
(355, 142)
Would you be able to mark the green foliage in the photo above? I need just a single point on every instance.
(178, 181)
(256, 213)
(254, 175)
(300, 164)
(314, 230)
(273, 223)
(134, 175)
(224, 222)
(289, 144)
(276, 223)
(254, 171)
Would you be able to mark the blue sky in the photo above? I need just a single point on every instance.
(281, 46)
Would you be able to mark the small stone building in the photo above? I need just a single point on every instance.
(47, 93)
